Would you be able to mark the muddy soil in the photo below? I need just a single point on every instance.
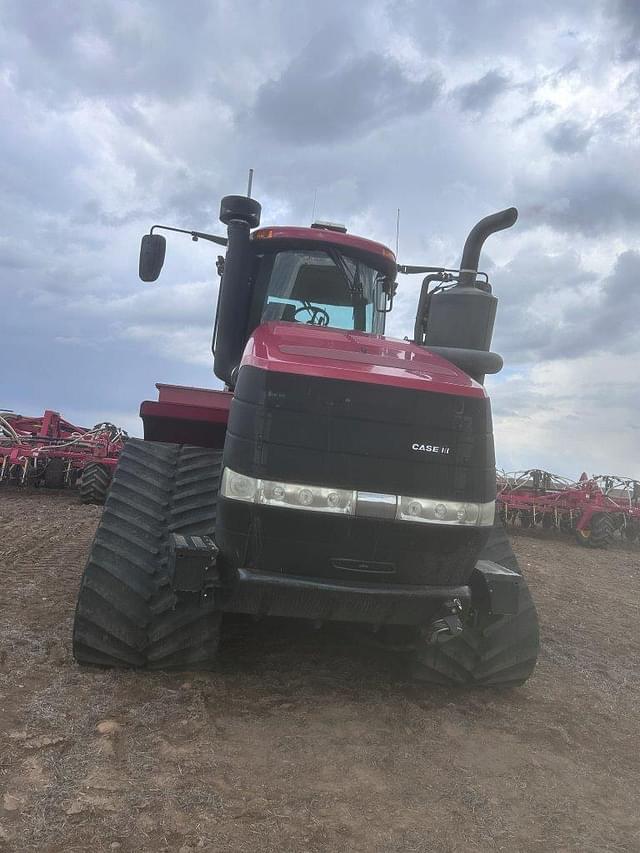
(303, 740)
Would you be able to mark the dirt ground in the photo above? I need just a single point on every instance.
(305, 741)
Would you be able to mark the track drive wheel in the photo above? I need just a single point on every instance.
(600, 532)
(94, 483)
(491, 650)
(127, 614)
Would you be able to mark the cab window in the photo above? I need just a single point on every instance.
(320, 288)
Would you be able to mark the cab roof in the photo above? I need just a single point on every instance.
(319, 235)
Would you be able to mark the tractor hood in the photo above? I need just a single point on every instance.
(328, 353)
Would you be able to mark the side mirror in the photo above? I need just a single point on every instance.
(389, 287)
(152, 252)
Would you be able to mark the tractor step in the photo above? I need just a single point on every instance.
(192, 563)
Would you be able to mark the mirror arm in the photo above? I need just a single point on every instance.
(195, 235)
(409, 270)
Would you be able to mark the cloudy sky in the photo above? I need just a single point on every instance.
(115, 115)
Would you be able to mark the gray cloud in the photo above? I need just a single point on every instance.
(628, 13)
(318, 102)
(568, 137)
(476, 30)
(535, 110)
(590, 203)
(481, 94)
(553, 308)
(118, 115)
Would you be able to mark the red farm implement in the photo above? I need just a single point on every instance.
(593, 509)
(50, 451)
(625, 493)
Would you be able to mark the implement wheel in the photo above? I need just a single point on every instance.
(600, 532)
(54, 476)
(127, 614)
(526, 518)
(94, 483)
(492, 650)
(631, 530)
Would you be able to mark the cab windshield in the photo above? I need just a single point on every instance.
(320, 288)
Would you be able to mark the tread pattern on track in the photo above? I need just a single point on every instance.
(499, 549)
(94, 483)
(491, 651)
(127, 614)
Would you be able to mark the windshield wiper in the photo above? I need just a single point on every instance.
(354, 286)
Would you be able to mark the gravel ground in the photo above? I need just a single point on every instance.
(304, 741)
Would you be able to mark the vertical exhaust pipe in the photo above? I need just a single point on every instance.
(240, 214)
(461, 318)
(476, 240)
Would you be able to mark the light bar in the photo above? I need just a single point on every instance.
(240, 487)
(329, 226)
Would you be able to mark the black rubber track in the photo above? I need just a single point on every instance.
(499, 549)
(127, 615)
(491, 651)
(94, 483)
(601, 530)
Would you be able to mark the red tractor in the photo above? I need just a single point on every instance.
(340, 475)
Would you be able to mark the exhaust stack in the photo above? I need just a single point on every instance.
(462, 317)
(240, 214)
(476, 239)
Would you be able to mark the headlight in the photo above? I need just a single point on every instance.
(240, 487)
(431, 511)
(292, 495)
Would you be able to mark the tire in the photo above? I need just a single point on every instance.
(54, 475)
(492, 650)
(94, 483)
(600, 532)
(127, 615)
(526, 518)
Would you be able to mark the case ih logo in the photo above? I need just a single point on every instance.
(430, 448)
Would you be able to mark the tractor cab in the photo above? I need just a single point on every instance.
(320, 276)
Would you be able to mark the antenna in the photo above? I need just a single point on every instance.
(313, 212)
(250, 183)
(397, 232)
